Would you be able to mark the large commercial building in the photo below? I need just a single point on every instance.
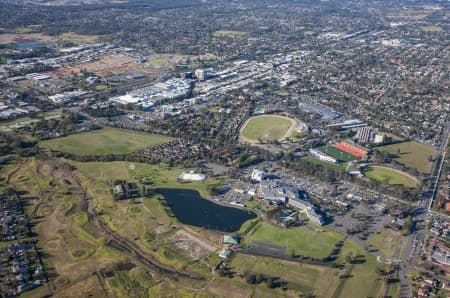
(308, 208)
(148, 97)
(276, 191)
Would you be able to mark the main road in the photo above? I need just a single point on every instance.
(416, 238)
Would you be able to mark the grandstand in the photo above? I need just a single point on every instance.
(338, 154)
(352, 149)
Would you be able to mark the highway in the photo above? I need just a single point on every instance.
(415, 241)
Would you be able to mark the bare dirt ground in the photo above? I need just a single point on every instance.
(105, 66)
(12, 37)
(196, 247)
(6, 38)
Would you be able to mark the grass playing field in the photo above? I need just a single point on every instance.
(104, 141)
(390, 176)
(158, 62)
(267, 127)
(337, 153)
(229, 33)
(412, 154)
(302, 240)
(431, 29)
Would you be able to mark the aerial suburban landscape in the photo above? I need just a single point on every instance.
(212, 148)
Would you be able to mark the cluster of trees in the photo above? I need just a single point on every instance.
(127, 190)
(13, 144)
(399, 191)
(271, 281)
(108, 111)
(323, 172)
(36, 52)
(386, 157)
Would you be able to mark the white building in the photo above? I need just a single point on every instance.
(308, 208)
(378, 139)
(322, 156)
(201, 74)
(275, 191)
(191, 176)
(257, 175)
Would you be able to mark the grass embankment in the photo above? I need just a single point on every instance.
(104, 141)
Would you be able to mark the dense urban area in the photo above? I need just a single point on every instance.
(210, 148)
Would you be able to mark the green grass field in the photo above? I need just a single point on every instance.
(159, 63)
(104, 141)
(364, 280)
(267, 127)
(431, 29)
(387, 243)
(159, 175)
(390, 177)
(307, 279)
(309, 33)
(302, 240)
(337, 153)
(229, 33)
(337, 167)
(101, 87)
(412, 154)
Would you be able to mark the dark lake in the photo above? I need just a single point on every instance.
(191, 209)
